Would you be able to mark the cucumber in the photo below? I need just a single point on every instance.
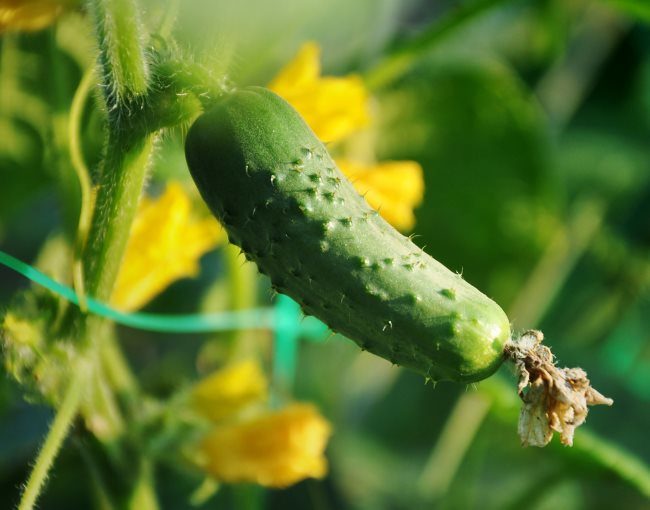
(283, 201)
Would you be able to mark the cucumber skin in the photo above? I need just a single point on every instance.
(283, 201)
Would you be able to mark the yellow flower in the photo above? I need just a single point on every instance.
(29, 14)
(230, 390)
(277, 449)
(274, 449)
(334, 107)
(394, 188)
(165, 245)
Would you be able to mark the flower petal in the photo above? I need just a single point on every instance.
(277, 449)
(394, 188)
(231, 389)
(29, 14)
(334, 107)
(303, 71)
(165, 245)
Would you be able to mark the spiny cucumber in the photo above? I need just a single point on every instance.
(283, 201)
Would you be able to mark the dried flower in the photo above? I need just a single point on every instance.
(554, 399)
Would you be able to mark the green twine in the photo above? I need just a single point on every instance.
(285, 320)
(287, 332)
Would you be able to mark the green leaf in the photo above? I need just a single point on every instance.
(490, 203)
(639, 9)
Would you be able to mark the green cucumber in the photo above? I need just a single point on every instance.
(283, 201)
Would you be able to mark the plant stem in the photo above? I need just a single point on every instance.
(564, 86)
(242, 277)
(453, 443)
(611, 457)
(169, 18)
(143, 496)
(116, 367)
(402, 58)
(117, 197)
(122, 50)
(122, 178)
(556, 264)
(125, 73)
(129, 148)
(101, 412)
(55, 437)
(80, 168)
(101, 496)
(57, 157)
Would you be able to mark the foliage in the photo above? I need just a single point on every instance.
(528, 123)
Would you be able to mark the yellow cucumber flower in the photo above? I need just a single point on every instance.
(229, 390)
(334, 107)
(30, 14)
(165, 245)
(276, 449)
(394, 188)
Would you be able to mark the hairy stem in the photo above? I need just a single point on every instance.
(122, 177)
(122, 49)
(124, 71)
(55, 437)
(117, 197)
(125, 74)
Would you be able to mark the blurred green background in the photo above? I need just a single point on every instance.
(531, 120)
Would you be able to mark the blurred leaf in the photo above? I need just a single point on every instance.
(371, 475)
(598, 163)
(638, 8)
(21, 164)
(644, 89)
(490, 202)
(597, 295)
